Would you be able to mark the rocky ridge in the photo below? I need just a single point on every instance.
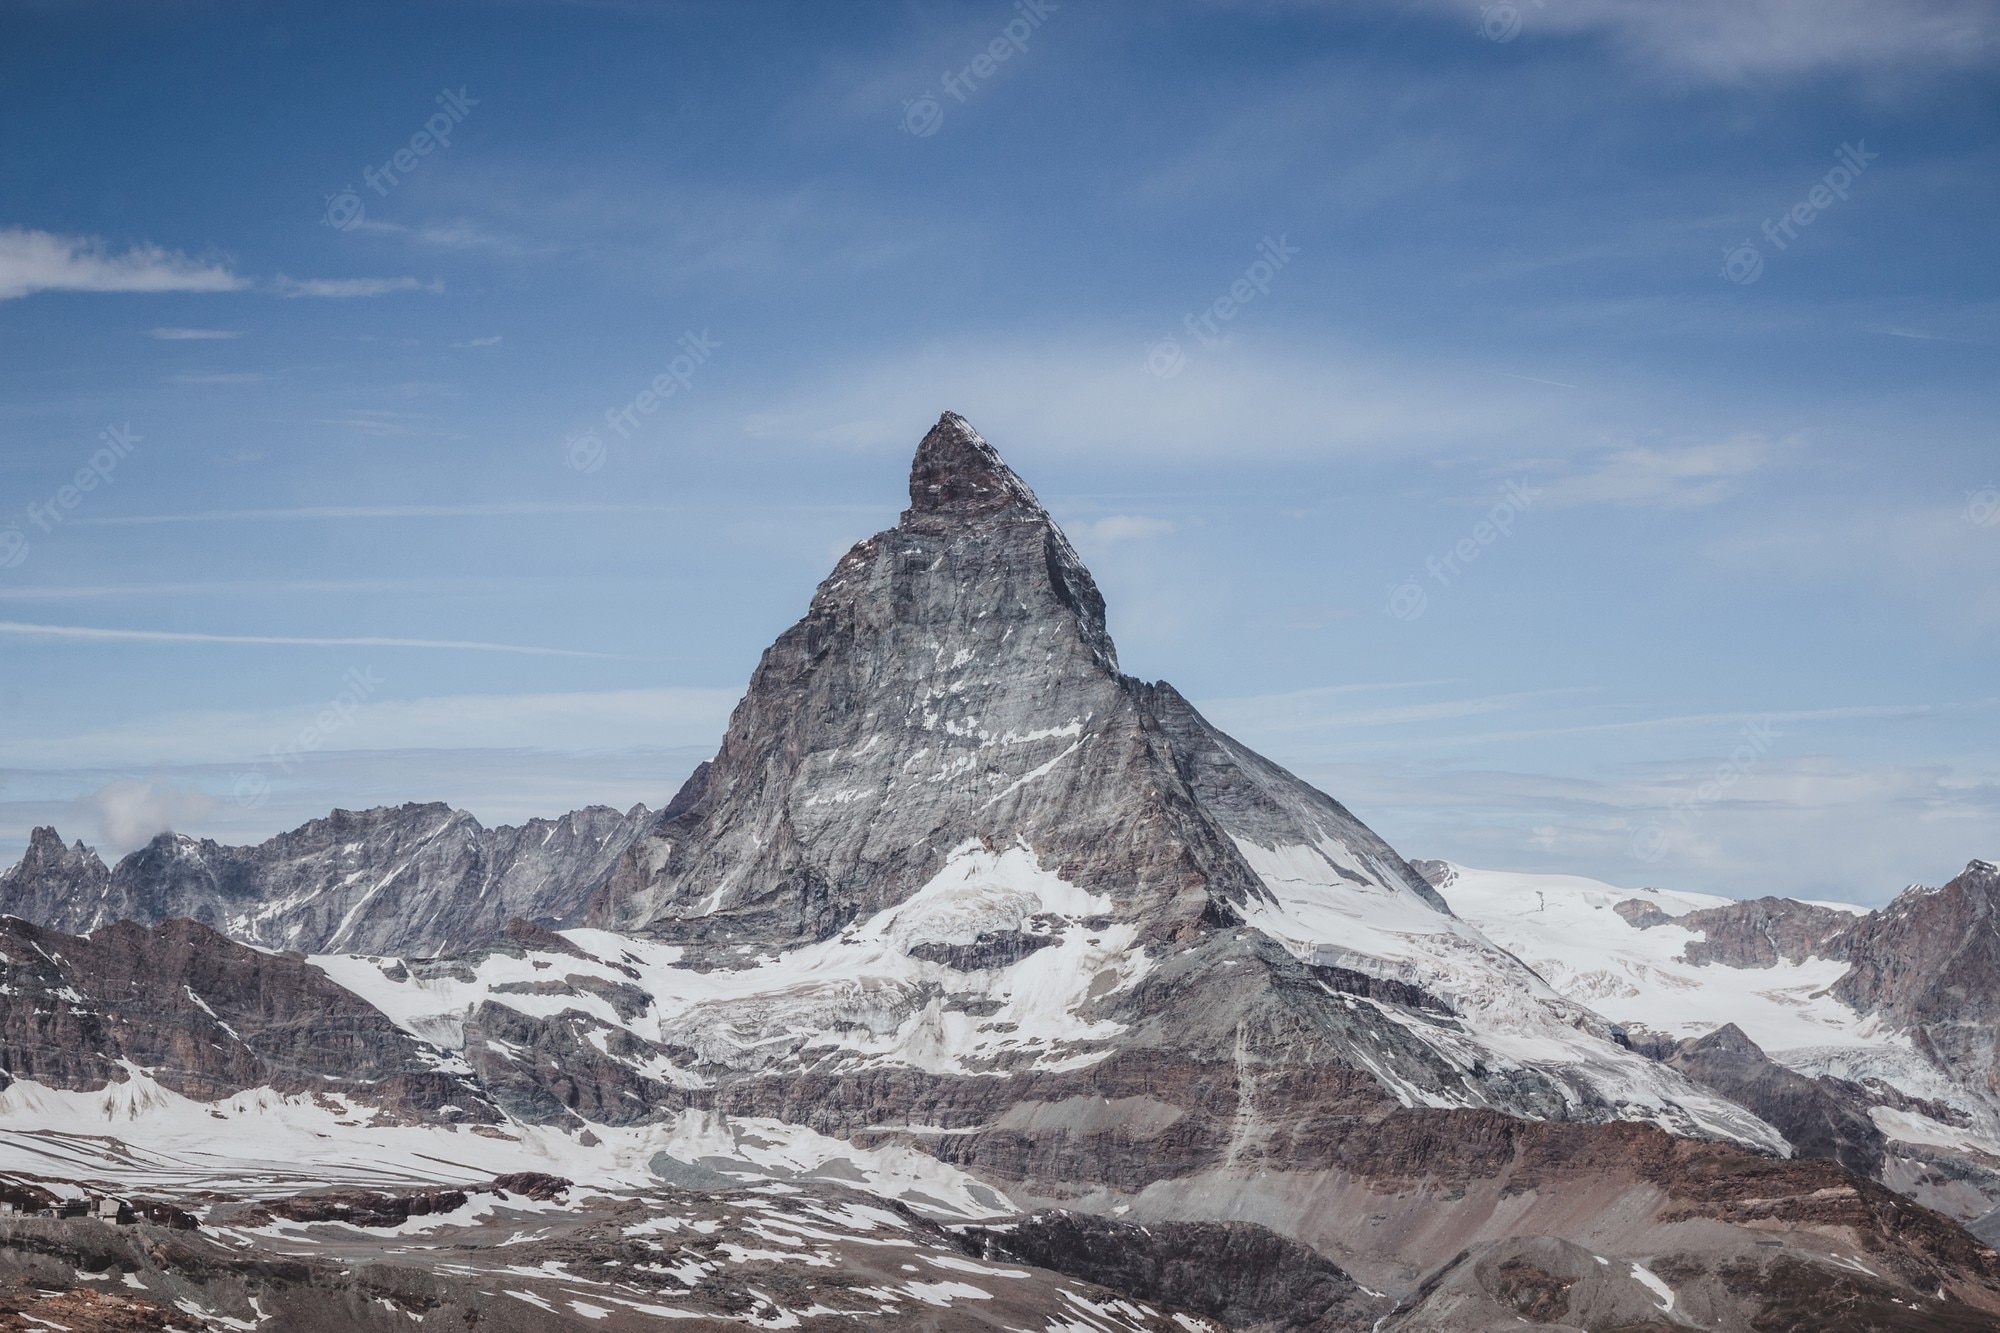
(422, 879)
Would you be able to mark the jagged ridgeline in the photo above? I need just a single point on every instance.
(963, 917)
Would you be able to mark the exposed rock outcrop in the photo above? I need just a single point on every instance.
(205, 1017)
(414, 879)
(1929, 962)
(1248, 1277)
(1758, 932)
(1822, 1117)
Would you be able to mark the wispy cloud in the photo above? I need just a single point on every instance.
(1281, 397)
(335, 512)
(494, 341)
(41, 261)
(91, 634)
(1115, 528)
(1670, 476)
(217, 377)
(340, 289)
(195, 335)
(129, 813)
(1735, 40)
(1305, 710)
(247, 588)
(461, 236)
(572, 722)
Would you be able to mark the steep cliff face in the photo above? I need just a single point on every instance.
(205, 1017)
(419, 879)
(970, 842)
(1930, 963)
(951, 682)
(53, 883)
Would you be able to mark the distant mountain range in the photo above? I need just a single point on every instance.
(968, 950)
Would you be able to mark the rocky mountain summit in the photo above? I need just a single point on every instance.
(1134, 1028)
(424, 879)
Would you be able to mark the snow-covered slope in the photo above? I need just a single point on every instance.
(1336, 908)
(1680, 966)
(1570, 931)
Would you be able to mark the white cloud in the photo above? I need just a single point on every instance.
(91, 634)
(217, 377)
(1115, 528)
(1795, 825)
(195, 335)
(1278, 398)
(1734, 40)
(1670, 476)
(347, 288)
(576, 722)
(1941, 555)
(494, 341)
(40, 261)
(337, 512)
(130, 813)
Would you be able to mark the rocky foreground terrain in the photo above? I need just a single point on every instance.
(975, 984)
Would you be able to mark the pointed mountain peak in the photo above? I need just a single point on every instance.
(957, 474)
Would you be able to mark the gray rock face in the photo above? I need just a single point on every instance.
(208, 1017)
(1822, 1117)
(51, 879)
(417, 879)
(1246, 1276)
(1929, 962)
(953, 681)
(1759, 932)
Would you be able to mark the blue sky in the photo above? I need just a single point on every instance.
(1732, 627)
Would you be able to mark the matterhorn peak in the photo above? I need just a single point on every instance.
(957, 474)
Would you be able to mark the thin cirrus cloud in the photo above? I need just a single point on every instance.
(1115, 528)
(342, 289)
(93, 634)
(1733, 40)
(574, 722)
(1668, 476)
(195, 335)
(41, 261)
(337, 512)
